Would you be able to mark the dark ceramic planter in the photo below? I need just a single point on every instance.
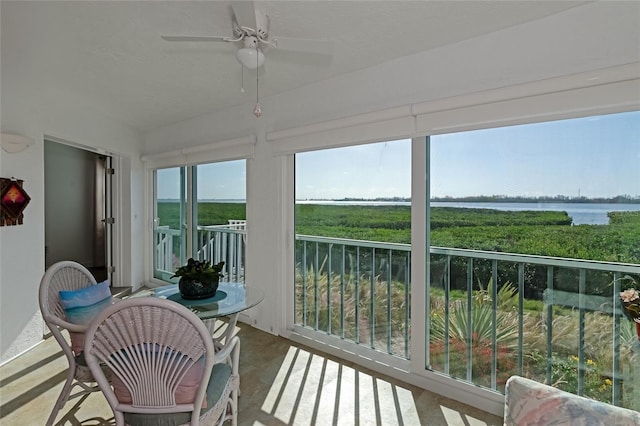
(194, 290)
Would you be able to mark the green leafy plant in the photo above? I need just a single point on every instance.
(565, 372)
(200, 271)
(477, 323)
(482, 317)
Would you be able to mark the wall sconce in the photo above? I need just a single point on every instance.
(14, 143)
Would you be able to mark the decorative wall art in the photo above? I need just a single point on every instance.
(13, 200)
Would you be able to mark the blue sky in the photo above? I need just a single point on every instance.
(222, 181)
(592, 157)
(363, 171)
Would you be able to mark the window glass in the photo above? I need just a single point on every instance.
(353, 229)
(201, 213)
(169, 237)
(221, 216)
(521, 220)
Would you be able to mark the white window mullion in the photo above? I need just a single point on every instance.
(192, 211)
(419, 252)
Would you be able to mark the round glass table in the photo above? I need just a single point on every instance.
(230, 299)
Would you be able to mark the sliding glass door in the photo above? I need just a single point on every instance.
(200, 212)
(170, 221)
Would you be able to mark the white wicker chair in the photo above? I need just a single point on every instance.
(149, 344)
(66, 275)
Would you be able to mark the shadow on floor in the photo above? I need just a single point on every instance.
(282, 383)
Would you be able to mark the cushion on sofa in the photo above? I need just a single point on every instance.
(528, 402)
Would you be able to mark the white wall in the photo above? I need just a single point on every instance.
(35, 108)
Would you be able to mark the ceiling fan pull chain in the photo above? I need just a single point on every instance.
(257, 110)
(241, 79)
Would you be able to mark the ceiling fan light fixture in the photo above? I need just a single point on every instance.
(250, 58)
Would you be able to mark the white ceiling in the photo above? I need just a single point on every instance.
(109, 54)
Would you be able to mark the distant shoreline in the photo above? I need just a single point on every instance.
(503, 199)
(475, 199)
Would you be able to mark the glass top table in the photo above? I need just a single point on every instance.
(230, 299)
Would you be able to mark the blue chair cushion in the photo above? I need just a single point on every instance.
(217, 381)
(80, 306)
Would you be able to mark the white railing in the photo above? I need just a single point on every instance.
(224, 243)
(167, 243)
(215, 243)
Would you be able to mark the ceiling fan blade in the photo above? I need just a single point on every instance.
(244, 13)
(320, 47)
(193, 38)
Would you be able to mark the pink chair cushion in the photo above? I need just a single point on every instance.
(77, 342)
(185, 392)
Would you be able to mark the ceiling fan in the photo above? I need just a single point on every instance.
(251, 34)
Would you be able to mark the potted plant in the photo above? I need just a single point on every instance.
(198, 279)
(630, 300)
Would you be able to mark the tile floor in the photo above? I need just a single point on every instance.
(282, 383)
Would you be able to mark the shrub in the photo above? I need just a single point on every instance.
(565, 371)
(480, 330)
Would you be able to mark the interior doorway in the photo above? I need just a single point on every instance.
(78, 213)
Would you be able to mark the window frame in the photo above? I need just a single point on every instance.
(530, 103)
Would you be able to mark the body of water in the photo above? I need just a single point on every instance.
(580, 213)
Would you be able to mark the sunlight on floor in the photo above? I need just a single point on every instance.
(310, 389)
(282, 384)
(455, 417)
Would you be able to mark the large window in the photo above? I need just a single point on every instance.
(512, 210)
(353, 229)
(200, 212)
(532, 235)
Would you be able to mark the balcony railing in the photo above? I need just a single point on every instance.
(215, 243)
(558, 321)
(357, 290)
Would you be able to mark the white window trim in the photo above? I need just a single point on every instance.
(227, 150)
(232, 149)
(596, 93)
(605, 91)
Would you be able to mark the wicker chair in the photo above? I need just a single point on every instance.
(152, 345)
(66, 275)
